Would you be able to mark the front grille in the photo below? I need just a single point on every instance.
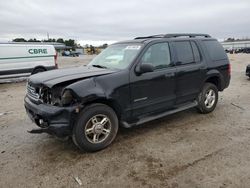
(32, 93)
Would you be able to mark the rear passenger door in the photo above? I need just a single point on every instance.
(190, 68)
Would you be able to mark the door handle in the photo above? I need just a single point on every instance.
(169, 74)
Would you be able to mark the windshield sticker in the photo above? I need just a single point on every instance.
(133, 47)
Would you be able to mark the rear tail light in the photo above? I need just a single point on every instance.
(55, 59)
(229, 69)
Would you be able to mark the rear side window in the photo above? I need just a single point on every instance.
(184, 52)
(215, 50)
(197, 56)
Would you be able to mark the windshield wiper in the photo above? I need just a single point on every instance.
(99, 66)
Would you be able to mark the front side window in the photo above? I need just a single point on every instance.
(158, 55)
(184, 52)
(118, 56)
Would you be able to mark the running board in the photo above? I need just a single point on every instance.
(169, 112)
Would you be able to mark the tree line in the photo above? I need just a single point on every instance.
(69, 42)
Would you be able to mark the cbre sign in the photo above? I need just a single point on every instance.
(38, 51)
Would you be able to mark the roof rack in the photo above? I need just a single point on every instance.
(191, 35)
(153, 36)
(174, 35)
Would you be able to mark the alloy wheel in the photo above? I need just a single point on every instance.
(98, 128)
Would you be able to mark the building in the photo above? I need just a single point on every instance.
(236, 45)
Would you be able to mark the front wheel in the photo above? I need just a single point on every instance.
(208, 98)
(95, 128)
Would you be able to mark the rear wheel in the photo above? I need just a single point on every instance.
(95, 128)
(208, 98)
(37, 70)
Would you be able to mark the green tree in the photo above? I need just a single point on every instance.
(229, 40)
(34, 40)
(50, 40)
(70, 42)
(60, 40)
(19, 40)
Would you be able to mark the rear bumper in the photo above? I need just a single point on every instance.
(248, 70)
(51, 119)
(227, 82)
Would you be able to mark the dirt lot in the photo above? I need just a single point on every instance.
(183, 150)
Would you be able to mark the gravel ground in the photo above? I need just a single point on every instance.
(186, 149)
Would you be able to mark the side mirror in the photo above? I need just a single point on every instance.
(145, 67)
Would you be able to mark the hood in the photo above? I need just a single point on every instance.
(54, 77)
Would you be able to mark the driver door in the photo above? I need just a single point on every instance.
(154, 91)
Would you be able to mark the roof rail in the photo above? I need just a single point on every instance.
(153, 36)
(187, 35)
(174, 35)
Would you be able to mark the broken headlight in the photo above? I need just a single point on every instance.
(67, 97)
(45, 95)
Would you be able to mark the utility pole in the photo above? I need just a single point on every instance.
(48, 35)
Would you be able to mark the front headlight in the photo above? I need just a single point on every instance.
(67, 97)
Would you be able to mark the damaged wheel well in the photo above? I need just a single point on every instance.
(110, 103)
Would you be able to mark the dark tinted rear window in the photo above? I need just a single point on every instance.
(215, 50)
(184, 52)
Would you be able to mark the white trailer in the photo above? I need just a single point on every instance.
(18, 60)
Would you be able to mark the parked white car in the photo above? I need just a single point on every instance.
(18, 60)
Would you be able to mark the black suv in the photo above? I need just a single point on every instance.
(129, 83)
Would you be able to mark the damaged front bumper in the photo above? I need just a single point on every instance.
(53, 120)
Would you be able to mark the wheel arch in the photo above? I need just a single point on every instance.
(111, 103)
(94, 93)
(38, 67)
(215, 78)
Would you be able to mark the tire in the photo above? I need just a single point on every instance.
(37, 70)
(209, 92)
(89, 134)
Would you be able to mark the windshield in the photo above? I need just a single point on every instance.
(118, 56)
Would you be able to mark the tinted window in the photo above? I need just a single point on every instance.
(184, 52)
(196, 52)
(158, 55)
(215, 50)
